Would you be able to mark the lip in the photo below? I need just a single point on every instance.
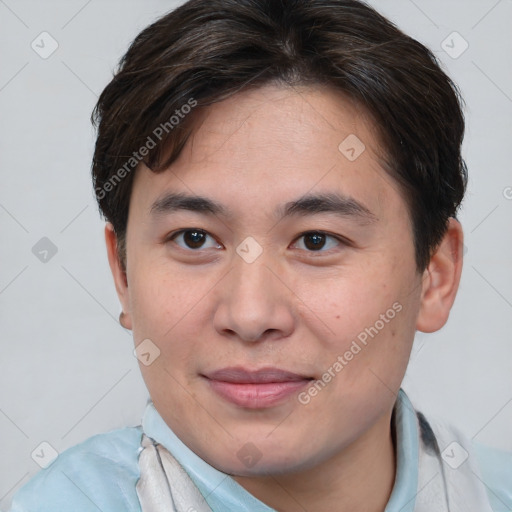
(255, 389)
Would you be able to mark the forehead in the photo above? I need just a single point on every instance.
(262, 143)
(292, 121)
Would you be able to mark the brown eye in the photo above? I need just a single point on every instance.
(317, 241)
(193, 239)
(314, 241)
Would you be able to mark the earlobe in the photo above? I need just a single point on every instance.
(441, 280)
(119, 275)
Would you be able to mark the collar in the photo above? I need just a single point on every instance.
(223, 493)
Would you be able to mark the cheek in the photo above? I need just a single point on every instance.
(366, 316)
(166, 304)
(342, 304)
(167, 309)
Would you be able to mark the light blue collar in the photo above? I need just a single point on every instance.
(224, 494)
(404, 492)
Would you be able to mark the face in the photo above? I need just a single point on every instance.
(284, 302)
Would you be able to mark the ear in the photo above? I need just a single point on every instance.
(120, 279)
(441, 280)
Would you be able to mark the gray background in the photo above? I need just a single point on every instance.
(67, 367)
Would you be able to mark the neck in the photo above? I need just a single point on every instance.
(359, 479)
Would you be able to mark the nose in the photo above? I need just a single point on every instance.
(254, 303)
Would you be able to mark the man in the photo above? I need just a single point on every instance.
(280, 181)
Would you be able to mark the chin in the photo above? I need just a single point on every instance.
(261, 458)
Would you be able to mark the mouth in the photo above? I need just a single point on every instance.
(255, 389)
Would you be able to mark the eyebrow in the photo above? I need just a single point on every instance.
(339, 204)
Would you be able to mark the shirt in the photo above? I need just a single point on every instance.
(102, 472)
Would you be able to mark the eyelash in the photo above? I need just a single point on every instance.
(340, 240)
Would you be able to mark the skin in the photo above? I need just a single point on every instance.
(294, 307)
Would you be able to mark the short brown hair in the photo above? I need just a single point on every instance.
(207, 50)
